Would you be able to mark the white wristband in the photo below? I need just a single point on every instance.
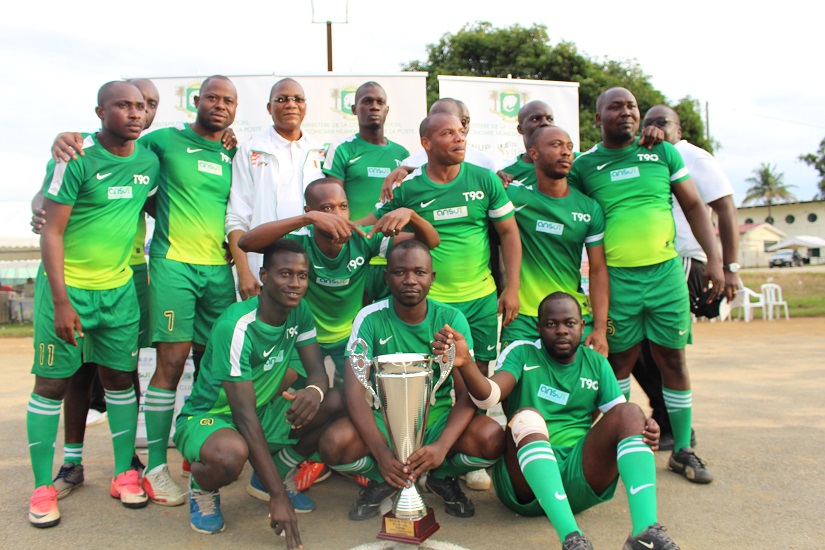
(313, 386)
(492, 399)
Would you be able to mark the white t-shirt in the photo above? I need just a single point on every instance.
(712, 184)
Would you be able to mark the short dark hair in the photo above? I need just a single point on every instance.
(531, 141)
(282, 245)
(559, 297)
(317, 183)
(407, 245)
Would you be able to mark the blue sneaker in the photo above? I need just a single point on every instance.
(205, 511)
(301, 503)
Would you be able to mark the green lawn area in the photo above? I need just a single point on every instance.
(16, 330)
(804, 291)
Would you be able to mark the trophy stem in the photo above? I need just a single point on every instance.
(409, 504)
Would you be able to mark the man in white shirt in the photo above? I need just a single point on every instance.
(269, 175)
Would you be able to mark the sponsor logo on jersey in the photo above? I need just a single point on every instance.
(272, 360)
(210, 168)
(552, 394)
(450, 213)
(186, 97)
(120, 193)
(255, 159)
(140, 179)
(324, 281)
(543, 226)
(376, 172)
(624, 173)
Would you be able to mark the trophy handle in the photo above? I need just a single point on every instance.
(361, 368)
(446, 368)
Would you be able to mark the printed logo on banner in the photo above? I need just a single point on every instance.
(186, 97)
(507, 102)
(343, 99)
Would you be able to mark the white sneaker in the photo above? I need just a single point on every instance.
(95, 418)
(161, 489)
(478, 480)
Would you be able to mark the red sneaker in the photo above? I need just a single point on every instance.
(43, 510)
(310, 472)
(126, 487)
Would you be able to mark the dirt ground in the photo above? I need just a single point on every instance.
(758, 414)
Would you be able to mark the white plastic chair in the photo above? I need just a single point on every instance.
(746, 300)
(773, 300)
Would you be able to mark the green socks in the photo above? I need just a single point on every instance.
(286, 459)
(73, 452)
(679, 405)
(159, 411)
(42, 418)
(460, 464)
(624, 385)
(637, 468)
(365, 466)
(122, 413)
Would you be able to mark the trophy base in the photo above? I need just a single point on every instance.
(407, 531)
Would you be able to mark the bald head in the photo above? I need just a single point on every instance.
(531, 117)
(667, 120)
(453, 107)
(113, 89)
(433, 122)
(284, 84)
(121, 110)
(618, 114)
(150, 96)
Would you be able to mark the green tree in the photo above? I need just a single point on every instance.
(479, 49)
(817, 162)
(768, 187)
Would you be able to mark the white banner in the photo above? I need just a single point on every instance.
(329, 99)
(494, 104)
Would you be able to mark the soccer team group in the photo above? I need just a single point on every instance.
(415, 254)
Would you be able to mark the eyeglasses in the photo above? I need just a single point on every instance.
(285, 99)
(659, 122)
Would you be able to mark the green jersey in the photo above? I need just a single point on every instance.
(459, 211)
(521, 171)
(107, 194)
(195, 176)
(382, 330)
(362, 166)
(242, 348)
(553, 232)
(565, 395)
(633, 187)
(336, 288)
(138, 255)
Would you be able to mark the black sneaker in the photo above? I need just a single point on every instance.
(692, 467)
(369, 500)
(456, 502)
(666, 440)
(69, 478)
(576, 541)
(652, 538)
(137, 465)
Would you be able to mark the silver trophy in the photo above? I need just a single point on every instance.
(405, 391)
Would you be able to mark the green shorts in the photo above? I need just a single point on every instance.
(336, 353)
(524, 327)
(140, 278)
(648, 302)
(482, 315)
(186, 299)
(376, 288)
(109, 318)
(191, 432)
(579, 493)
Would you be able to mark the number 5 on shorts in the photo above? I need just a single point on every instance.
(170, 319)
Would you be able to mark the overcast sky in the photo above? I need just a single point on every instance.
(759, 70)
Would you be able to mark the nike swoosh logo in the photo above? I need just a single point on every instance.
(531, 367)
(355, 159)
(134, 353)
(114, 435)
(599, 167)
(491, 348)
(560, 497)
(426, 204)
(519, 207)
(103, 176)
(634, 490)
(383, 341)
(646, 544)
(154, 441)
(268, 353)
(33, 444)
(188, 150)
(682, 332)
(317, 266)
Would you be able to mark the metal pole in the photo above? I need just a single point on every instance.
(329, 46)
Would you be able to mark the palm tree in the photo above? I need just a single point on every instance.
(768, 187)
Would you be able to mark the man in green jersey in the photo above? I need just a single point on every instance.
(555, 222)
(85, 302)
(457, 439)
(361, 162)
(648, 294)
(191, 281)
(557, 462)
(458, 199)
(238, 408)
(339, 253)
(534, 115)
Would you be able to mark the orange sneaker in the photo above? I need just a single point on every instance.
(43, 510)
(310, 472)
(126, 487)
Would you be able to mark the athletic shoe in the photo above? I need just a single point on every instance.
(185, 468)
(310, 472)
(369, 500)
(576, 541)
(126, 486)
(43, 510)
(478, 480)
(95, 418)
(363, 481)
(666, 440)
(301, 503)
(205, 511)
(160, 487)
(69, 478)
(456, 502)
(690, 466)
(654, 537)
(138, 465)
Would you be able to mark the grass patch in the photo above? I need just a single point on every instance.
(804, 292)
(16, 330)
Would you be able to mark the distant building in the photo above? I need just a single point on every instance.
(790, 219)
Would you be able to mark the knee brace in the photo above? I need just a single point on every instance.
(527, 422)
